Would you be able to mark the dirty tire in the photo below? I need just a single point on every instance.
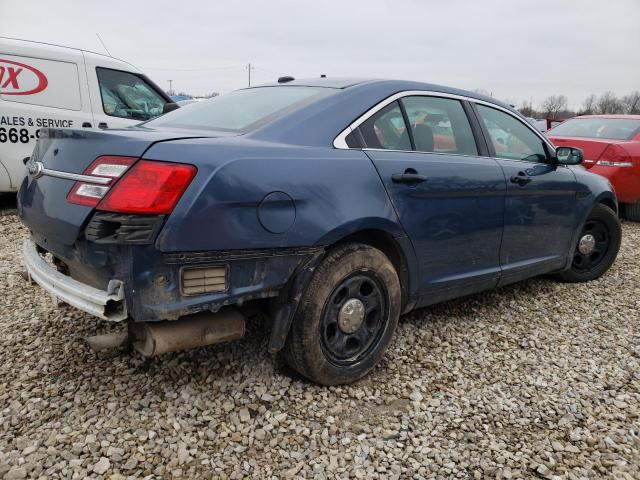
(631, 211)
(317, 347)
(605, 225)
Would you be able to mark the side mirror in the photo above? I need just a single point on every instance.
(569, 156)
(169, 107)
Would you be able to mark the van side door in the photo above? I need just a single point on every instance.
(38, 89)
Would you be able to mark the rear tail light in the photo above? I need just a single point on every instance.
(146, 187)
(615, 156)
(149, 187)
(109, 167)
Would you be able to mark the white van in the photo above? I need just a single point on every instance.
(44, 85)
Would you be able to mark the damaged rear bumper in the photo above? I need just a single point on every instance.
(108, 305)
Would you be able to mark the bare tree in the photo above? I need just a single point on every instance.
(527, 109)
(631, 103)
(609, 103)
(589, 105)
(553, 105)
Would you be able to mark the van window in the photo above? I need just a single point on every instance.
(36, 81)
(128, 95)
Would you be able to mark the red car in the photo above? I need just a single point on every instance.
(611, 146)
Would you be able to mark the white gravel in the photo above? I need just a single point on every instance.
(539, 379)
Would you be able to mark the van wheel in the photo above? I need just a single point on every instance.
(346, 317)
(631, 211)
(597, 246)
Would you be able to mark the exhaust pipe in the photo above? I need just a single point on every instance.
(198, 330)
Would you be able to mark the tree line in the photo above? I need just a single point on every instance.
(557, 106)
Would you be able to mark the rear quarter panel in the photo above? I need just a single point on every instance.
(335, 192)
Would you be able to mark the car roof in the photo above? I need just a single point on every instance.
(391, 85)
(326, 82)
(612, 115)
(347, 100)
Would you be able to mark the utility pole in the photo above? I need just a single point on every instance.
(249, 68)
(170, 87)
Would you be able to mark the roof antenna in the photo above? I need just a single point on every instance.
(105, 47)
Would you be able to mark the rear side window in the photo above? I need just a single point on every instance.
(613, 128)
(127, 95)
(242, 110)
(439, 125)
(386, 129)
(510, 137)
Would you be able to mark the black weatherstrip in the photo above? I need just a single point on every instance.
(479, 133)
(407, 123)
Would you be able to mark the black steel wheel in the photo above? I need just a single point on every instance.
(593, 245)
(346, 316)
(353, 318)
(597, 246)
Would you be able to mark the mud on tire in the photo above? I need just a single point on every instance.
(346, 317)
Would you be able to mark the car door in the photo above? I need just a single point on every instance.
(449, 199)
(540, 214)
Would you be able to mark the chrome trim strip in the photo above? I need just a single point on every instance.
(80, 295)
(341, 142)
(76, 176)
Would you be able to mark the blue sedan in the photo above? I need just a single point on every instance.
(333, 205)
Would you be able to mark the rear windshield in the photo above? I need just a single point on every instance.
(614, 128)
(242, 110)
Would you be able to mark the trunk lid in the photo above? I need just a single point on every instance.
(592, 147)
(42, 202)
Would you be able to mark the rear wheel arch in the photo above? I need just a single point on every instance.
(389, 246)
(284, 307)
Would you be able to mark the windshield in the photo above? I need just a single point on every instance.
(613, 128)
(242, 110)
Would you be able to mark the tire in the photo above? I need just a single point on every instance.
(631, 211)
(322, 344)
(604, 226)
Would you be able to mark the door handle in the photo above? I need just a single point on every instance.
(103, 125)
(86, 125)
(410, 177)
(521, 179)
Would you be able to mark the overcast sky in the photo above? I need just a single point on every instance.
(516, 49)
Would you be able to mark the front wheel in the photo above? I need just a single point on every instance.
(346, 317)
(597, 247)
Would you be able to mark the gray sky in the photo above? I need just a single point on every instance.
(516, 49)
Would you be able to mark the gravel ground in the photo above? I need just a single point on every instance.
(539, 379)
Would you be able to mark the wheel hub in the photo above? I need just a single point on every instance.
(351, 315)
(587, 244)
